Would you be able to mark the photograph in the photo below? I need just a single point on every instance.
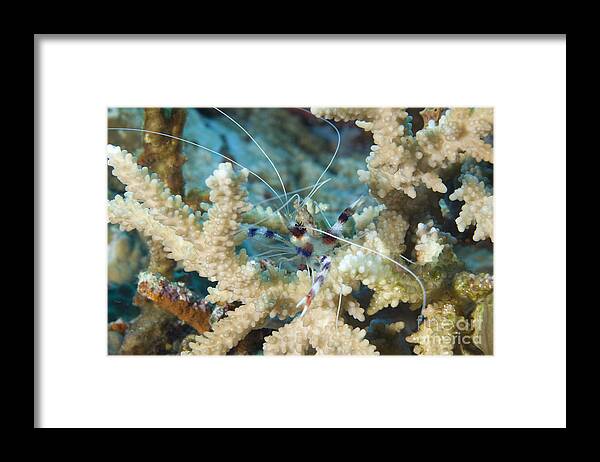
(300, 231)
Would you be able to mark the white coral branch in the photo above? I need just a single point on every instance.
(402, 162)
(228, 332)
(290, 339)
(152, 193)
(478, 208)
(437, 334)
(209, 249)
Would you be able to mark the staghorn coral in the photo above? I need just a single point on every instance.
(256, 301)
(477, 209)
(208, 248)
(438, 333)
(430, 242)
(462, 319)
(473, 286)
(163, 155)
(228, 332)
(267, 217)
(460, 133)
(403, 162)
(391, 286)
(318, 330)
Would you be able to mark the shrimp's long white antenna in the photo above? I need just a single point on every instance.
(141, 130)
(325, 218)
(424, 304)
(315, 189)
(337, 314)
(287, 202)
(258, 146)
(292, 192)
(270, 251)
(284, 260)
(339, 140)
(272, 256)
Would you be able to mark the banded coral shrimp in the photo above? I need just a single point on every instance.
(306, 239)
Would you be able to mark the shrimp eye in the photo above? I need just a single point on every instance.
(297, 230)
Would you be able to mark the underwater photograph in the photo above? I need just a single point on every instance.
(300, 231)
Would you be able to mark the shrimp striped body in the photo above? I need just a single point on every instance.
(310, 248)
(314, 290)
(254, 231)
(336, 229)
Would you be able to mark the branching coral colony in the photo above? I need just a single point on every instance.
(325, 297)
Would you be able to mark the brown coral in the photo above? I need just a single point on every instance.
(162, 154)
(176, 299)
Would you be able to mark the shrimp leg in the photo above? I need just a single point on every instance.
(314, 290)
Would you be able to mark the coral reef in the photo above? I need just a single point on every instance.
(368, 304)
(401, 161)
(176, 299)
(478, 206)
(162, 155)
(126, 256)
(209, 249)
(437, 335)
